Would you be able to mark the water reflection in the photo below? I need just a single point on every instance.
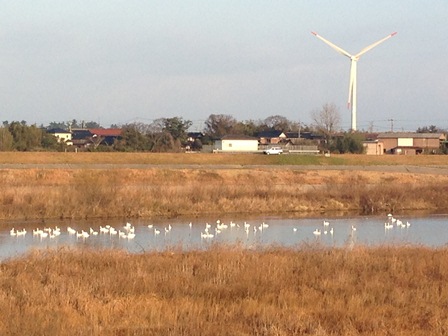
(431, 231)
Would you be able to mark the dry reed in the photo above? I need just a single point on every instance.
(120, 193)
(308, 290)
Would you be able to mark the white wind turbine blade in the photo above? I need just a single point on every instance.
(335, 47)
(366, 49)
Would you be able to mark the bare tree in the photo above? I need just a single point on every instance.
(326, 120)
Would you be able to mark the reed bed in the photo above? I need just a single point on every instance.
(132, 193)
(308, 290)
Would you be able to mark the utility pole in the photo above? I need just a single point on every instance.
(391, 124)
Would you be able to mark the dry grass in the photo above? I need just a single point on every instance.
(126, 193)
(227, 291)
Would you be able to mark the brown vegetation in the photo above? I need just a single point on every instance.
(120, 193)
(223, 291)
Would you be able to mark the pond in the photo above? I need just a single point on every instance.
(17, 238)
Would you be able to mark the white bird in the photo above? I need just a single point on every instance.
(331, 231)
(131, 235)
(326, 223)
(37, 232)
(408, 224)
(317, 232)
(265, 225)
(150, 226)
(190, 225)
(294, 229)
(353, 228)
(156, 231)
(104, 229)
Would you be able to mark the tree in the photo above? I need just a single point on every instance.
(326, 120)
(277, 123)
(6, 140)
(350, 143)
(25, 138)
(429, 129)
(55, 124)
(218, 125)
(177, 127)
(134, 137)
(248, 127)
(91, 124)
(50, 142)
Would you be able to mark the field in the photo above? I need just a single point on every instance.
(227, 290)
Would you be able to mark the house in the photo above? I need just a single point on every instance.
(373, 147)
(192, 136)
(105, 136)
(62, 135)
(236, 143)
(411, 143)
(83, 137)
(271, 137)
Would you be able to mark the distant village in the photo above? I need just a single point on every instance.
(221, 134)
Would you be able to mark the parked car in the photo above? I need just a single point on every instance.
(273, 150)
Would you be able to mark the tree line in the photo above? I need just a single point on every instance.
(171, 134)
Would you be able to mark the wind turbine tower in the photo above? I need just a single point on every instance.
(354, 60)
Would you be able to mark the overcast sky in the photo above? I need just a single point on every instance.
(116, 62)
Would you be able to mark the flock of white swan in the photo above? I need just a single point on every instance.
(207, 231)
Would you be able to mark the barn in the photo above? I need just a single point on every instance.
(236, 144)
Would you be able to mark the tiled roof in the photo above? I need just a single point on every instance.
(414, 135)
(57, 130)
(105, 131)
(237, 137)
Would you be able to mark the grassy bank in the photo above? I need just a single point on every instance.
(306, 291)
(131, 193)
(217, 159)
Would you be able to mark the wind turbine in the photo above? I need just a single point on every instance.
(354, 59)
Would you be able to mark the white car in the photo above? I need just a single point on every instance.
(273, 150)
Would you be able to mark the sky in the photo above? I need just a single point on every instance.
(118, 62)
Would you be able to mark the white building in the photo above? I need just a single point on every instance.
(236, 144)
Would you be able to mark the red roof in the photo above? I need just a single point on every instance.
(106, 131)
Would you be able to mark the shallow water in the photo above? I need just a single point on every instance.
(430, 231)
